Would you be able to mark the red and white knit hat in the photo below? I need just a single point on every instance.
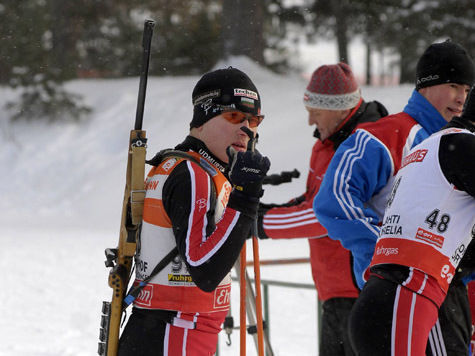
(332, 87)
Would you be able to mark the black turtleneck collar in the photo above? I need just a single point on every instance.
(461, 122)
(366, 112)
(196, 145)
(342, 134)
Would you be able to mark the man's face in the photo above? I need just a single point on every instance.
(218, 134)
(327, 121)
(448, 98)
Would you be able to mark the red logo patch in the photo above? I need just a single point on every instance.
(429, 237)
(222, 297)
(145, 296)
(416, 156)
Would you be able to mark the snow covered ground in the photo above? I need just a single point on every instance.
(61, 191)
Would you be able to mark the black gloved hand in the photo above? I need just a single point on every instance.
(263, 208)
(469, 108)
(467, 119)
(246, 172)
(261, 234)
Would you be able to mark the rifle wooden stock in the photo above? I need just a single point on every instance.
(132, 209)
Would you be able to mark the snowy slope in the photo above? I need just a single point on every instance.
(61, 190)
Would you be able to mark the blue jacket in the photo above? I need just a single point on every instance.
(351, 200)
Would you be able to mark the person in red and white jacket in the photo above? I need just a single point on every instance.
(428, 225)
(334, 104)
(204, 207)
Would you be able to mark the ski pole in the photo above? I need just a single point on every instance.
(251, 310)
(257, 275)
(242, 301)
(251, 315)
(257, 279)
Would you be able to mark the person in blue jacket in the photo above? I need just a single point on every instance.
(351, 200)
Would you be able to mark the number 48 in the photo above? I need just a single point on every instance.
(433, 220)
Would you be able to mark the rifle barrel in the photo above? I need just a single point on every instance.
(146, 44)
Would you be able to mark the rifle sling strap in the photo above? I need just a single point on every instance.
(135, 290)
(160, 156)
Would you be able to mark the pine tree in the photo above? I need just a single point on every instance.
(27, 61)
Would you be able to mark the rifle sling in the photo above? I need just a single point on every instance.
(160, 156)
(135, 290)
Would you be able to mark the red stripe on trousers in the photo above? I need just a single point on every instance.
(415, 315)
(193, 342)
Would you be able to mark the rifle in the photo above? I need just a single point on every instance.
(120, 259)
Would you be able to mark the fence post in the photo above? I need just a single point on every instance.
(319, 319)
(266, 311)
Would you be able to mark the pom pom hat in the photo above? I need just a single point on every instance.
(224, 90)
(332, 87)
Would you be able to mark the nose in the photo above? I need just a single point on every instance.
(240, 132)
(461, 95)
(245, 123)
(311, 120)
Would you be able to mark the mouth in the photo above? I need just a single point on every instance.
(239, 146)
(454, 111)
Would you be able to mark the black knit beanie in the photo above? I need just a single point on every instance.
(221, 90)
(445, 62)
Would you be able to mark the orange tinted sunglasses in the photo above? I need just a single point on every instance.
(237, 117)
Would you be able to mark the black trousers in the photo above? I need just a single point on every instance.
(370, 321)
(449, 337)
(334, 337)
(144, 333)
